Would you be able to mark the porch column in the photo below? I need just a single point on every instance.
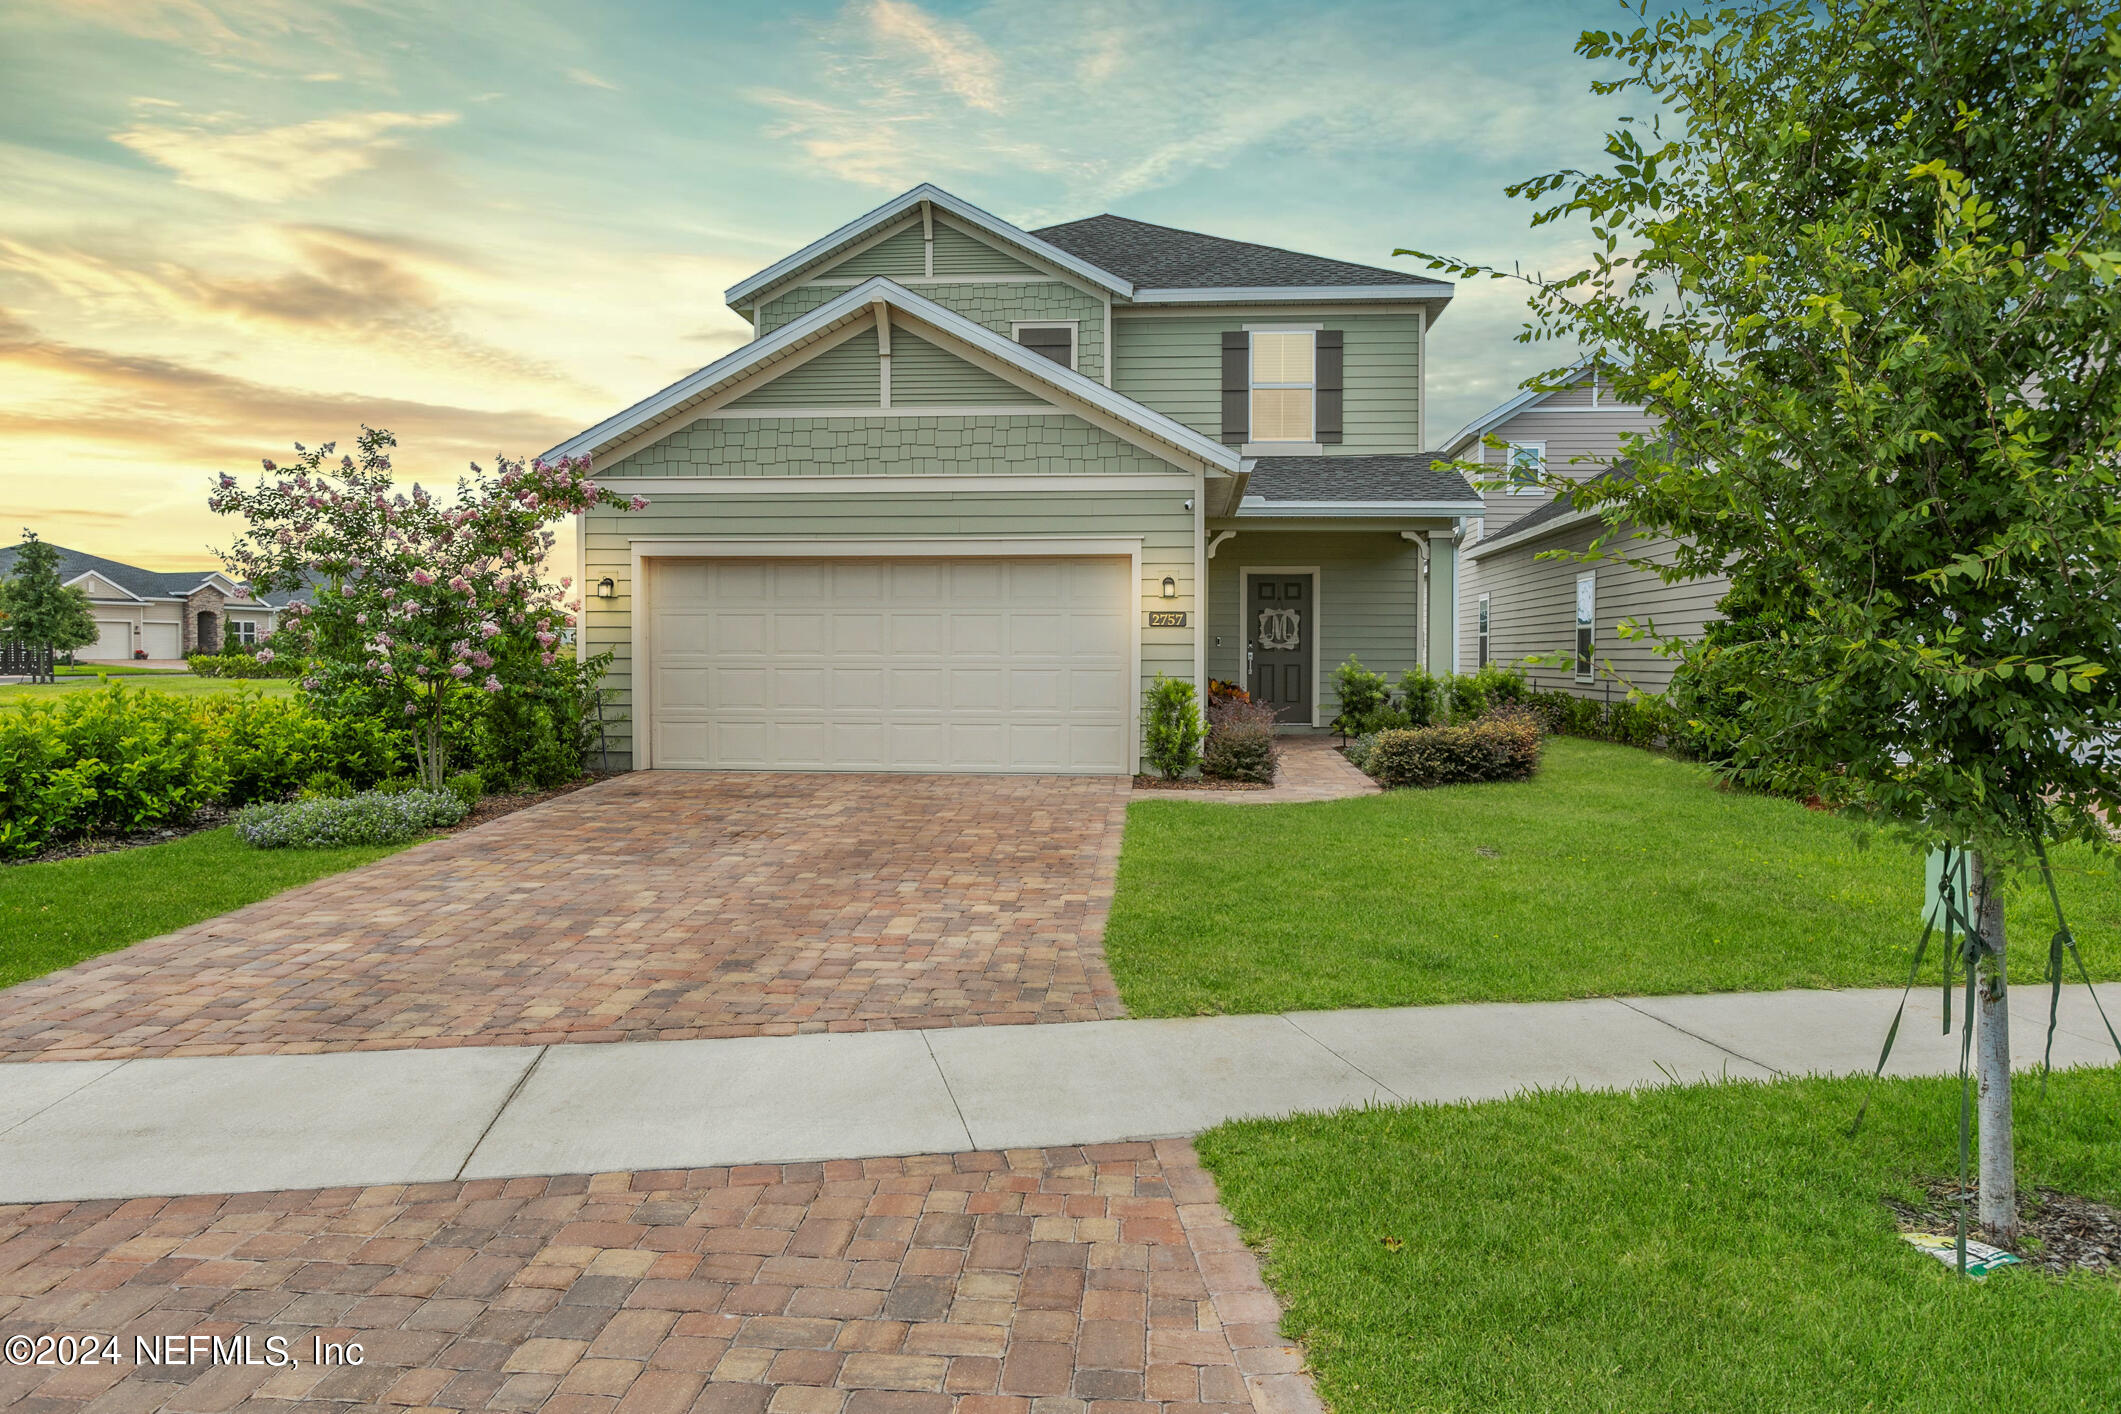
(1439, 654)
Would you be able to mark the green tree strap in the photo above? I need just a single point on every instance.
(2063, 939)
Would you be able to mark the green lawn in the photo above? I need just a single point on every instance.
(1708, 1248)
(116, 670)
(55, 914)
(1614, 872)
(184, 684)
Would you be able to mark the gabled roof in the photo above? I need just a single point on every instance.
(1164, 261)
(1504, 411)
(667, 407)
(861, 226)
(137, 582)
(1556, 514)
(1383, 484)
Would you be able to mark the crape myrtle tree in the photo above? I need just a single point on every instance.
(36, 608)
(1865, 264)
(418, 606)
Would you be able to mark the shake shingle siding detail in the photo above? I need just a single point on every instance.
(998, 306)
(975, 445)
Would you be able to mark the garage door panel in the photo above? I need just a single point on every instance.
(114, 640)
(943, 665)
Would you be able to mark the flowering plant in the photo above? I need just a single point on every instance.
(415, 602)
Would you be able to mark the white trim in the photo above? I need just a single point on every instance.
(1509, 470)
(1217, 542)
(1506, 538)
(926, 194)
(978, 345)
(1250, 310)
(928, 240)
(640, 614)
(1286, 449)
(1318, 624)
(1260, 506)
(1283, 328)
(1104, 361)
(1252, 294)
(1503, 411)
(130, 597)
(1421, 377)
(582, 587)
(1483, 631)
(1586, 656)
(1200, 591)
(896, 410)
(849, 281)
(858, 483)
(1073, 326)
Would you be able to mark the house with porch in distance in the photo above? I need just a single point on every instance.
(160, 614)
(971, 488)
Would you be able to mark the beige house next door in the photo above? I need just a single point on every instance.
(1004, 665)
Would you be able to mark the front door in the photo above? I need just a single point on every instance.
(1278, 619)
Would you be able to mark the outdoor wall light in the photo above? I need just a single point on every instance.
(606, 589)
(1170, 587)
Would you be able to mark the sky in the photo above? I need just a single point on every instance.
(232, 225)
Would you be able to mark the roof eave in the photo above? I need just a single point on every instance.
(899, 205)
(1507, 540)
(1435, 292)
(1502, 412)
(1260, 506)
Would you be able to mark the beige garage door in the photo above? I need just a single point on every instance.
(114, 640)
(994, 665)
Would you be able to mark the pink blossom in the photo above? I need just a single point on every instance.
(422, 578)
(638, 503)
(361, 619)
(489, 629)
(492, 683)
(459, 671)
(545, 658)
(227, 480)
(265, 462)
(545, 640)
(410, 709)
(265, 655)
(460, 584)
(482, 660)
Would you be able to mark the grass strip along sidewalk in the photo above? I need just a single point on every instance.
(1700, 1248)
(60, 912)
(1613, 872)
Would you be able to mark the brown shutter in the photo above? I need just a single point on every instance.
(1329, 385)
(1237, 386)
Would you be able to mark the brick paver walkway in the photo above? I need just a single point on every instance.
(658, 905)
(1078, 1281)
(1312, 768)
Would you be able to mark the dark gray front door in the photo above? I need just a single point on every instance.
(1278, 622)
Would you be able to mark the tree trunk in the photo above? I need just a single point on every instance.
(1992, 1043)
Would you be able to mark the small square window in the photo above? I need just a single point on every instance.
(1054, 341)
(1527, 463)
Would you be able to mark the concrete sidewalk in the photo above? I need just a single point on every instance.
(115, 1129)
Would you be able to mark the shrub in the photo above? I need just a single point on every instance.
(1241, 743)
(1421, 697)
(1499, 748)
(397, 785)
(369, 818)
(1173, 734)
(1359, 751)
(261, 664)
(111, 761)
(267, 746)
(466, 786)
(326, 785)
(1363, 696)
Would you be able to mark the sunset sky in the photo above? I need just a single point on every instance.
(229, 225)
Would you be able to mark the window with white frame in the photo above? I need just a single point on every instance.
(1586, 622)
(1527, 463)
(1481, 638)
(1284, 385)
(243, 630)
(1056, 340)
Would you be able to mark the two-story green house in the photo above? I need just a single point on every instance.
(972, 488)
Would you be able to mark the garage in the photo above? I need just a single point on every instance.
(114, 640)
(1019, 665)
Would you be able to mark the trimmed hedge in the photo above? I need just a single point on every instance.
(1502, 747)
(242, 665)
(372, 817)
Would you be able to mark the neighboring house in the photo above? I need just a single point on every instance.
(972, 488)
(166, 613)
(1513, 604)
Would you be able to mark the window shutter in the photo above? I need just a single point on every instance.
(1329, 385)
(1237, 385)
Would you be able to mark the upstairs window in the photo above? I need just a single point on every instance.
(1586, 622)
(1284, 386)
(1528, 462)
(1055, 341)
(1482, 637)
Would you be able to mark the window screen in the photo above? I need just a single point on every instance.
(1284, 386)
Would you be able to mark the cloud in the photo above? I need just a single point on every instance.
(951, 53)
(274, 164)
(182, 413)
(589, 80)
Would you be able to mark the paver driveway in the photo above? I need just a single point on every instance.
(1106, 1280)
(658, 905)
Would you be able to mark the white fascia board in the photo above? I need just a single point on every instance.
(87, 574)
(943, 201)
(1504, 540)
(1503, 412)
(856, 302)
(1435, 290)
(1260, 506)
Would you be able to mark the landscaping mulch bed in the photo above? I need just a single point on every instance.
(1194, 783)
(2062, 1233)
(213, 817)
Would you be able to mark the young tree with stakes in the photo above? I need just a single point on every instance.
(36, 609)
(1865, 265)
(415, 601)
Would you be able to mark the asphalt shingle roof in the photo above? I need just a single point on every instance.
(148, 584)
(1164, 257)
(1386, 477)
(1563, 503)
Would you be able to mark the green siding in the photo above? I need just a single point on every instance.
(996, 306)
(1058, 444)
(1173, 363)
(897, 255)
(961, 253)
(1157, 518)
(844, 375)
(1368, 600)
(922, 372)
